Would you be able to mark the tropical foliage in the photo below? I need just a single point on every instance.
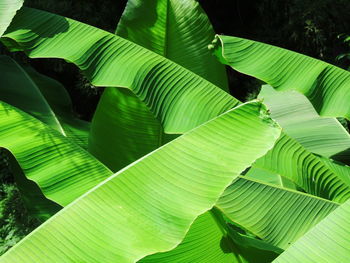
(172, 168)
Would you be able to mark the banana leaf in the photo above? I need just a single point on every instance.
(325, 85)
(320, 135)
(149, 206)
(327, 242)
(123, 127)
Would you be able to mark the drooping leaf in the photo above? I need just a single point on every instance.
(21, 91)
(149, 206)
(277, 215)
(48, 158)
(327, 242)
(8, 9)
(323, 136)
(290, 160)
(326, 86)
(123, 127)
(176, 96)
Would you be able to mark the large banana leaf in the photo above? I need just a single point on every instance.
(149, 206)
(49, 159)
(325, 85)
(123, 127)
(176, 96)
(274, 214)
(328, 241)
(292, 110)
(8, 9)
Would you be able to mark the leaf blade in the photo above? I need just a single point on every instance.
(189, 180)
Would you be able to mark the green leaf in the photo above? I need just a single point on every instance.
(123, 127)
(325, 85)
(328, 241)
(210, 240)
(314, 174)
(177, 97)
(204, 242)
(8, 9)
(277, 215)
(176, 29)
(18, 89)
(42, 97)
(59, 100)
(149, 206)
(49, 159)
(270, 177)
(292, 110)
(250, 249)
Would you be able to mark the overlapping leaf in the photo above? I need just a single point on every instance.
(149, 206)
(320, 135)
(123, 127)
(325, 85)
(274, 214)
(176, 96)
(176, 29)
(49, 159)
(42, 97)
(18, 89)
(59, 100)
(205, 242)
(328, 241)
(314, 174)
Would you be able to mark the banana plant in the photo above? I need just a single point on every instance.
(184, 201)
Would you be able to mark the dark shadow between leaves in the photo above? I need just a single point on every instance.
(343, 157)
